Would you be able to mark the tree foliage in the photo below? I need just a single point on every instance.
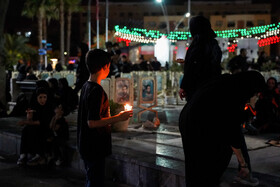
(15, 49)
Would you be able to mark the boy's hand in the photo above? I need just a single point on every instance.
(124, 115)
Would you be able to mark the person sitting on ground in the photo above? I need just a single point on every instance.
(94, 120)
(267, 117)
(59, 136)
(41, 84)
(35, 130)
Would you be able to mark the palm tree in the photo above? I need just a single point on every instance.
(15, 49)
(35, 8)
(72, 6)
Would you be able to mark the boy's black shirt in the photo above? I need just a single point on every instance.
(93, 143)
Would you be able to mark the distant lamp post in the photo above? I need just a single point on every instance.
(163, 7)
(89, 24)
(186, 15)
(107, 19)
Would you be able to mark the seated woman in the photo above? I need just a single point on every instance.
(267, 108)
(35, 130)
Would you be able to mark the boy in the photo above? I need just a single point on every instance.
(94, 121)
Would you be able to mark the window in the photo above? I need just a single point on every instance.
(130, 14)
(261, 22)
(219, 23)
(152, 24)
(121, 14)
(249, 24)
(162, 25)
(231, 24)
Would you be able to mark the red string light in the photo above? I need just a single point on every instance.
(231, 48)
(269, 41)
(127, 42)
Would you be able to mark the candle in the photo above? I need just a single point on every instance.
(127, 107)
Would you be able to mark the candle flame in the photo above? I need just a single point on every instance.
(127, 107)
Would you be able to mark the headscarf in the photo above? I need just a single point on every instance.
(202, 34)
(200, 26)
(245, 84)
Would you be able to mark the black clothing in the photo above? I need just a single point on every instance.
(49, 67)
(33, 137)
(93, 143)
(127, 67)
(63, 130)
(58, 67)
(213, 118)
(82, 71)
(95, 172)
(21, 72)
(31, 77)
(60, 137)
(156, 65)
(203, 58)
(238, 62)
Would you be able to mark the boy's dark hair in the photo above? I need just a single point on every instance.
(97, 59)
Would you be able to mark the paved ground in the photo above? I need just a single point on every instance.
(164, 143)
(48, 176)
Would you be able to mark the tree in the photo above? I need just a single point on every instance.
(15, 49)
(3, 10)
(72, 6)
(35, 8)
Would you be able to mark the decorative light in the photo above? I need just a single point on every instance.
(150, 36)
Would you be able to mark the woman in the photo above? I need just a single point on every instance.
(210, 124)
(36, 130)
(203, 58)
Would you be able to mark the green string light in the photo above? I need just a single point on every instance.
(136, 34)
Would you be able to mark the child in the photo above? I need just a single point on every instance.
(94, 121)
(35, 130)
(60, 135)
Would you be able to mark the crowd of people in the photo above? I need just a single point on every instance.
(45, 130)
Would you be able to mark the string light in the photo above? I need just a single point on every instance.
(266, 35)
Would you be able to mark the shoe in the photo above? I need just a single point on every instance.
(58, 162)
(36, 160)
(21, 161)
(249, 180)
